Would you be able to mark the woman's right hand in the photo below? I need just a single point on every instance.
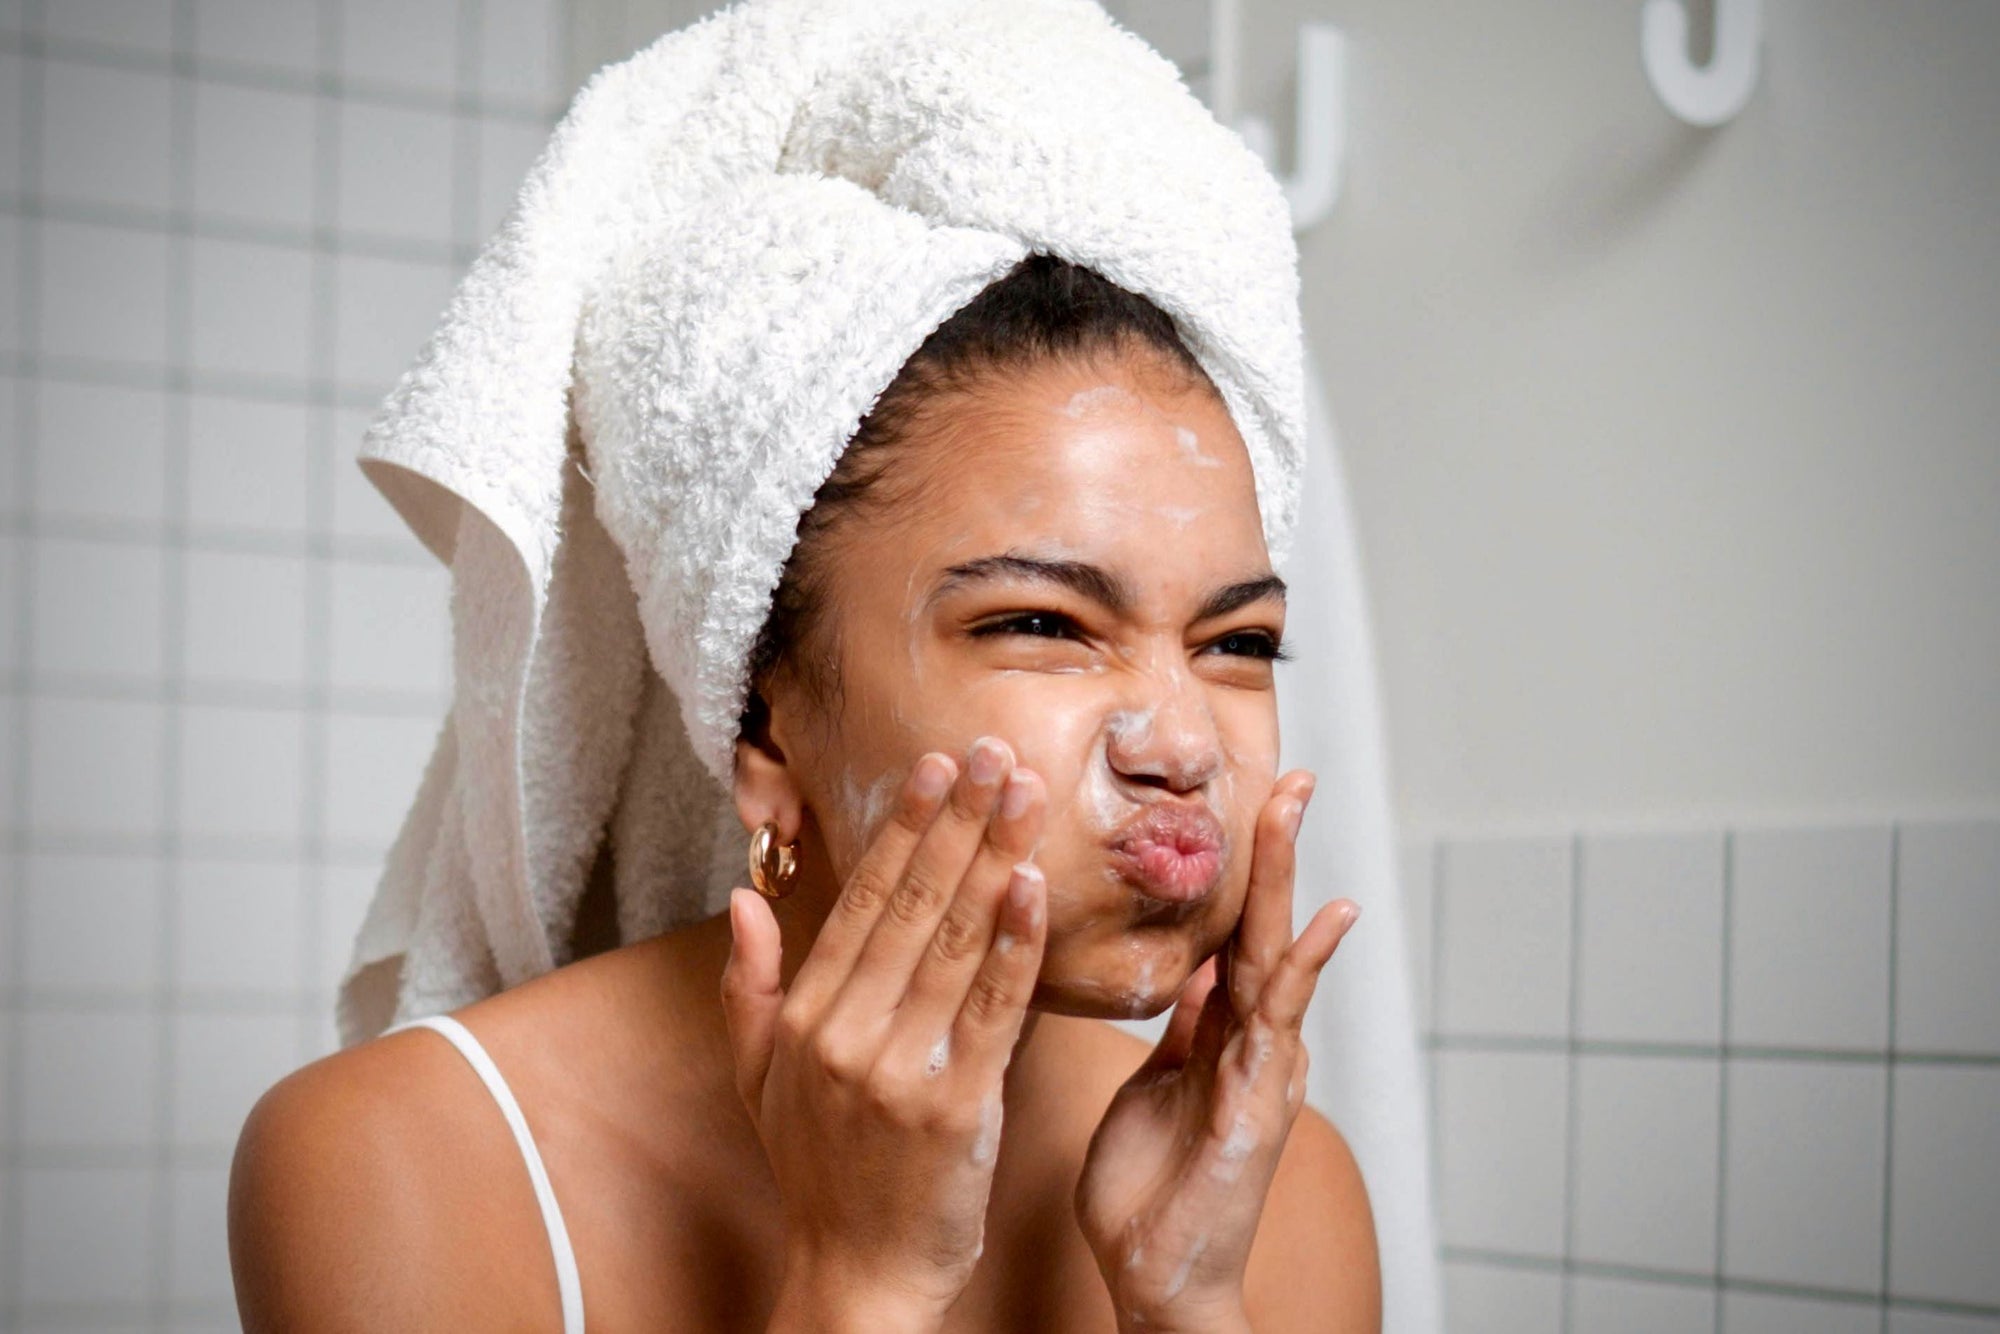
(874, 1080)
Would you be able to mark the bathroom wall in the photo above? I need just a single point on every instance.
(1673, 457)
(225, 226)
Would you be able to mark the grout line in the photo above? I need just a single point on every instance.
(1429, 1054)
(1745, 1051)
(1889, 1073)
(325, 330)
(1723, 1031)
(1695, 1279)
(27, 286)
(278, 78)
(1571, 1094)
(173, 599)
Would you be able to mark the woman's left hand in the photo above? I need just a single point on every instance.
(1176, 1174)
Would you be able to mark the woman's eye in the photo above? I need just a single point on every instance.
(1039, 624)
(1253, 644)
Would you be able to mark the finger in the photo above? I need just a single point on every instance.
(1290, 989)
(1211, 1029)
(952, 959)
(874, 879)
(1265, 928)
(902, 930)
(982, 1036)
(751, 995)
(1171, 1051)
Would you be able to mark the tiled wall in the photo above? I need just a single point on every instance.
(225, 226)
(1739, 1081)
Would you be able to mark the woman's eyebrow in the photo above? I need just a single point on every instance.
(1096, 583)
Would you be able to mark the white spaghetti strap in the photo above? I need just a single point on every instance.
(567, 1282)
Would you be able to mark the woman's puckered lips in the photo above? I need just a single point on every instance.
(1170, 850)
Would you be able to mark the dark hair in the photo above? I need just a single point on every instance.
(1044, 309)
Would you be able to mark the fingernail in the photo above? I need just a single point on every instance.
(1014, 796)
(1294, 812)
(987, 757)
(933, 776)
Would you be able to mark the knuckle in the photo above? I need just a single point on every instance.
(795, 1025)
(958, 936)
(915, 901)
(990, 999)
(865, 893)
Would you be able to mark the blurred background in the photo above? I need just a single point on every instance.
(1675, 454)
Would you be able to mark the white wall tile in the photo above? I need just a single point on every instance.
(386, 309)
(1650, 958)
(247, 464)
(97, 609)
(252, 308)
(1804, 1161)
(246, 618)
(241, 771)
(1495, 1299)
(11, 556)
(391, 627)
(241, 927)
(345, 891)
(412, 43)
(1414, 865)
(11, 393)
(13, 98)
(521, 50)
(1503, 920)
(100, 451)
(103, 293)
(88, 1234)
(1946, 1185)
(359, 510)
(1947, 937)
(198, 1245)
(94, 766)
(11, 293)
(1809, 938)
(93, 923)
(1604, 1305)
(10, 744)
(104, 135)
(1933, 1322)
(283, 34)
(1501, 1119)
(507, 149)
(1646, 1141)
(1763, 1313)
(222, 1064)
(138, 25)
(88, 1079)
(253, 154)
(373, 767)
(396, 171)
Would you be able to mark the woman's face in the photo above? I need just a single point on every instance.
(1081, 572)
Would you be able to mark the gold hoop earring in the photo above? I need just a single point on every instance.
(774, 866)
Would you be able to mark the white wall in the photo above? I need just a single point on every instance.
(1676, 452)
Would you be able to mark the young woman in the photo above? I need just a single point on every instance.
(1014, 723)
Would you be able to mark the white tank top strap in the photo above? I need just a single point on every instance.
(567, 1282)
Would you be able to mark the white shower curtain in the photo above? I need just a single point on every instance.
(1361, 1030)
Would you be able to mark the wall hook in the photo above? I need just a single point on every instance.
(1710, 94)
(1320, 150)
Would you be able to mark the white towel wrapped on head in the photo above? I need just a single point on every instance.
(730, 245)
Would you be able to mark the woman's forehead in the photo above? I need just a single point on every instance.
(1105, 470)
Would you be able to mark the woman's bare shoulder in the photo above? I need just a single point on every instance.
(368, 1189)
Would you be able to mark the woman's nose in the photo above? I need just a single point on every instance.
(1169, 736)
